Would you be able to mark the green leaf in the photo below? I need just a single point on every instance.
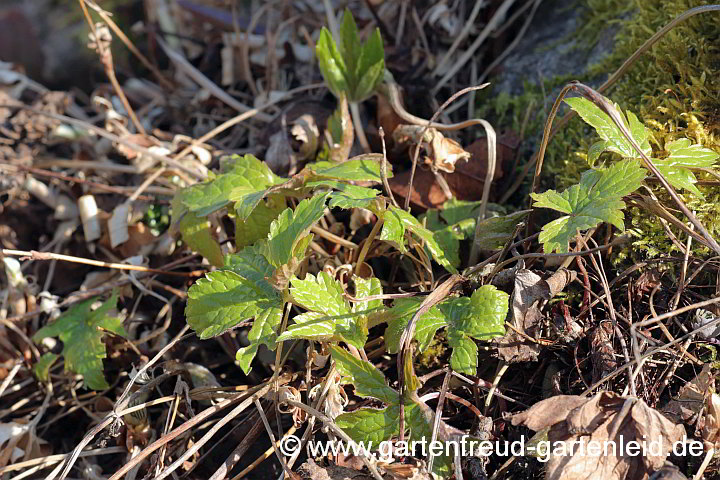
(263, 331)
(42, 368)
(350, 43)
(331, 63)
(397, 220)
(321, 294)
(287, 229)
(595, 150)
(363, 168)
(247, 176)
(347, 196)
(488, 309)
(455, 211)
(370, 426)
(373, 54)
(368, 380)
(351, 69)
(494, 232)
(683, 153)
(421, 431)
(596, 199)
(225, 298)
(683, 156)
(465, 353)
(678, 176)
(367, 287)
(425, 328)
(329, 318)
(393, 231)
(316, 326)
(195, 232)
(369, 81)
(257, 225)
(615, 141)
(448, 241)
(83, 348)
(480, 316)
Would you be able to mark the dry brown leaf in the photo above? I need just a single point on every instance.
(441, 153)
(531, 292)
(688, 404)
(466, 183)
(602, 419)
(602, 352)
(312, 470)
(711, 428)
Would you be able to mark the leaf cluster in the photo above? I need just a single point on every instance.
(351, 68)
(598, 196)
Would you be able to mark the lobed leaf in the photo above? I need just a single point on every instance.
(398, 220)
(495, 232)
(257, 224)
(367, 287)
(79, 330)
(346, 196)
(41, 369)
(425, 328)
(684, 156)
(596, 199)
(614, 140)
(225, 298)
(321, 294)
(263, 331)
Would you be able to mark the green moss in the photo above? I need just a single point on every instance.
(673, 89)
(432, 356)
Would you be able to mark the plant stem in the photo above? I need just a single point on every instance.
(368, 241)
(359, 132)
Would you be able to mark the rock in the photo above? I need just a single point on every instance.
(551, 48)
(39, 36)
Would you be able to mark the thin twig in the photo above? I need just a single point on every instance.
(35, 255)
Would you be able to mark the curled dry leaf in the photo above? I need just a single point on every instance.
(305, 135)
(466, 183)
(601, 420)
(531, 292)
(441, 153)
(335, 399)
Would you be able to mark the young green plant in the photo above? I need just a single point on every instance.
(351, 69)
